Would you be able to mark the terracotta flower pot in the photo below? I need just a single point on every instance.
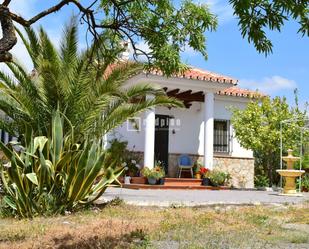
(139, 180)
(198, 176)
(121, 179)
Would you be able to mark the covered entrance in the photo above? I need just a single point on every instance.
(161, 140)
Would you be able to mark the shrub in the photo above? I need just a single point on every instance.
(218, 178)
(304, 164)
(305, 182)
(261, 181)
(125, 157)
(52, 175)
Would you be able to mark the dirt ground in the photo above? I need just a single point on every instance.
(123, 226)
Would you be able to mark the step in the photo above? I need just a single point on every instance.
(175, 187)
(182, 182)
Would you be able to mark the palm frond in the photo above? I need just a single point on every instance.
(92, 95)
(31, 43)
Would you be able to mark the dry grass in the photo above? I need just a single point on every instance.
(124, 226)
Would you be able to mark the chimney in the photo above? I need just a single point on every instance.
(124, 56)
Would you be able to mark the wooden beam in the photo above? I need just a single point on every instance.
(173, 92)
(184, 94)
(187, 104)
(197, 94)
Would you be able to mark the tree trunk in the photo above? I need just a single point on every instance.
(270, 171)
(9, 39)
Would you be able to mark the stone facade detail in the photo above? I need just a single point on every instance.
(240, 169)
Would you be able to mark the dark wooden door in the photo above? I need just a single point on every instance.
(161, 140)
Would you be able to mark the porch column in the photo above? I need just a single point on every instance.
(149, 136)
(208, 129)
(105, 141)
(6, 137)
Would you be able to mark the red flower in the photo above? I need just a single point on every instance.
(203, 171)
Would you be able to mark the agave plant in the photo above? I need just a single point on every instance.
(90, 93)
(54, 174)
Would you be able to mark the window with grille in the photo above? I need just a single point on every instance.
(222, 136)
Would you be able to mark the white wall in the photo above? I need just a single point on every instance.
(188, 126)
(222, 106)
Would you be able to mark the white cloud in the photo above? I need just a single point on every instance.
(269, 84)
(190, 51)
(221, 8)
(142, 45)
(25, 8)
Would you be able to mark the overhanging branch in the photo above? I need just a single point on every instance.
(9, 39)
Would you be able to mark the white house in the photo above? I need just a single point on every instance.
(202, 130)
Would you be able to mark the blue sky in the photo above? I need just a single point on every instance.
(278, 74)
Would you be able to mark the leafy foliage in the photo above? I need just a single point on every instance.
(257, 15)
(258, 128)
(165, 28)
(305, 182)
(218, 178)
(123, 156)
(92, 96)
(156, 172)
(52, 175)
(261, 181)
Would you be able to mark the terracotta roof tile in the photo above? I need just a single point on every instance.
(239, 92)
(203, 75)
(198, 74)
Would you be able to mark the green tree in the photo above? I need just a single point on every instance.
(165, 27)
(91, 96)
(256, 16)
(257, 128)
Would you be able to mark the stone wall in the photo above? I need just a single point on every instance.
(240, 169)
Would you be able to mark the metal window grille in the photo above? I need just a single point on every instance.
(222, 136)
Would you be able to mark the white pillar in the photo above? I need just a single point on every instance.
(208, 129)
(6, 137)
(149, 146)
(105, 141)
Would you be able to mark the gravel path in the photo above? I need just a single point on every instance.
(166, 198)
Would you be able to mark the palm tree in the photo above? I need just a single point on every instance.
(91, 94)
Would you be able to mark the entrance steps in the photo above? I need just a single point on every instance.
(177, 184)
(182, 182)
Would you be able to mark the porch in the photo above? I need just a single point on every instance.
(201, 130)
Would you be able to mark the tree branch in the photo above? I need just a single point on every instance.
(9, 38)
(6, 2)
(42, 14)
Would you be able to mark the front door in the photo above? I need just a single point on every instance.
(161, 140)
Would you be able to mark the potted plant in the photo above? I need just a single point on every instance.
(160, 168)
(153, 175)
(197, 168)
(218, 178)
(205, 176)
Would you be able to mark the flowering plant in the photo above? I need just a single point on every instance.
(204, 171)
(157, 172)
